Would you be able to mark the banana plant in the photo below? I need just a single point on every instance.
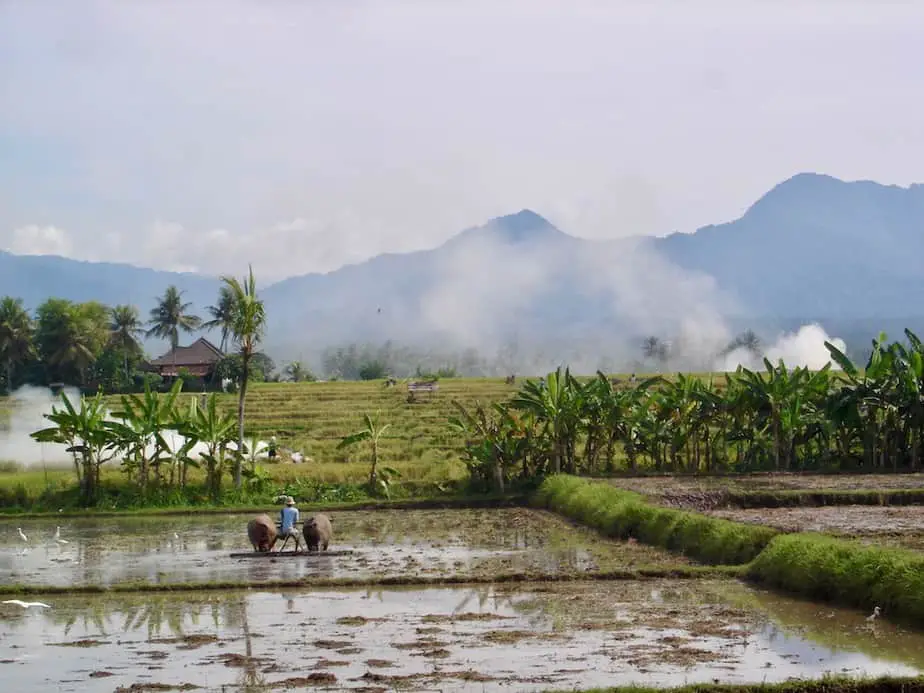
(145, 418)
(93, 438)
(372, 433)
(217, 432)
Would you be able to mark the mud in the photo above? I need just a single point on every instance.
(905, 524)
(384, 543)
(554, 635)
(658, 486)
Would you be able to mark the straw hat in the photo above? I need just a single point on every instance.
(290, 500)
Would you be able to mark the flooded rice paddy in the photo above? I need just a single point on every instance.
(384, 544)
(527, 636)
(546, 636)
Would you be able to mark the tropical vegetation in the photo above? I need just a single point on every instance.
(99, 348)
(776, 419)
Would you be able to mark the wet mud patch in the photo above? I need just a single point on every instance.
(315, 679)
(658, 486)
(84, 642)
(523, 637)
(384, 544)
(897, 522)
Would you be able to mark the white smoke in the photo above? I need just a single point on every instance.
(28, 407)
(805, 348)
(488, 286)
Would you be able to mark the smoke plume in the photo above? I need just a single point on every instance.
(28, 407)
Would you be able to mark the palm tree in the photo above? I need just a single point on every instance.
(69, 336)
(654, 348)
(222, 315)
(248, 326)
(296, 372)
(15, 336)
(169, 317)
(124, 331)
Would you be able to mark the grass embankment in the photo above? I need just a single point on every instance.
(846, 572)
(827, 684)
(812, 565)
(417, 503)
(30, 491)
(623, 514)
(417, 581)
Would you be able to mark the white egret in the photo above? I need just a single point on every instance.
(873, 616)
(21, 535)
(58, 538)
(26, 605)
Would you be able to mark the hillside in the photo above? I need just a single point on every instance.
(817, 247)
(812, 248)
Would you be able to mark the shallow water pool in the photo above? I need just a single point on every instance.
(546, 636)
(384, 543)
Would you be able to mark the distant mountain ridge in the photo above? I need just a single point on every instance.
(814, 247)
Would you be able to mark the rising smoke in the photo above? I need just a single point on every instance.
(554, 300)
(28, 407)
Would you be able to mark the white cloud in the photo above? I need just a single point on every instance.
(305, 135)
(39, 240)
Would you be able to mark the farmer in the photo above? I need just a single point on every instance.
(271, 448)
(288, 516)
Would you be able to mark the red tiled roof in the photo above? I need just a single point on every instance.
(200, 352)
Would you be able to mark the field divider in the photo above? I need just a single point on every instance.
(676, 573)
(438, 503)
(813, 565)
(623, 514)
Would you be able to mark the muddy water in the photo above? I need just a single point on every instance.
(384, 543)
(905, 523)
(488, 638)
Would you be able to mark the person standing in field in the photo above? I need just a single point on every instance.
(288, 516)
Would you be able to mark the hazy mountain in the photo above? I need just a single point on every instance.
(814, 247)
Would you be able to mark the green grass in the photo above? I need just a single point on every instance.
(816, 566)
(418, 581)
(625, 514)
(844, 571)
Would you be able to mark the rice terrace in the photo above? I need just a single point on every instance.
(746, 530)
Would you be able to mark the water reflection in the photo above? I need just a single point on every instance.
(406, 542)
(564, 634)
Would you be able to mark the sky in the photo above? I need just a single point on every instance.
(299, 136)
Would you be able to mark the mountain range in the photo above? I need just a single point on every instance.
(814, 248)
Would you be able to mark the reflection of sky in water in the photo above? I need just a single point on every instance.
(107, 550)
(290, 621)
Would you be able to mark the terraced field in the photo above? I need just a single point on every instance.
(313, 417)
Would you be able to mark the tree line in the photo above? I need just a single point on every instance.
(137, 433)
(775, 419)
(99, 347)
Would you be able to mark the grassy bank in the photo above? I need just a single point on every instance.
(417, 503)
(816, 566)
(828, 684)
(416, 581)
(844, 572)
(37, 489)
(624, 514)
